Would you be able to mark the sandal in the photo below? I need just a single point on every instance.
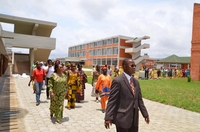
(59, 121)
(68, 107)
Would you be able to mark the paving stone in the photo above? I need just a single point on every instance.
(87, 116)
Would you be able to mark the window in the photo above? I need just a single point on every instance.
(83, 53)
(103, 51)
(98, 61)
(115, 50)
(99, 51)
(91, 52)
(76, 54)
(91, 45)
(104, 42)
(95, 52)
(114, 61)
(95, 44)
(115, 40)
(108, 61)
(84, 46)
(103, 61)
(94, 62)
(99, 43)
(109, 51)
(110, 41)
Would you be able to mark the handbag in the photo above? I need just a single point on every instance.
(34, 87)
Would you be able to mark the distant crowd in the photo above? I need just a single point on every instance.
(152, 73)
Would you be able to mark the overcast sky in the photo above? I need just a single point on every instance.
(167, 22)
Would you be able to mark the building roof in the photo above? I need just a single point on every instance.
(174, 59)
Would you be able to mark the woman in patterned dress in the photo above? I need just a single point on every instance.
(57, 87)
(103, 87)
(74, 85)
(83, 79)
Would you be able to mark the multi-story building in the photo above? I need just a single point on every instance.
(110, 51)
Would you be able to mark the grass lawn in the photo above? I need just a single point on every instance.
(177, 92)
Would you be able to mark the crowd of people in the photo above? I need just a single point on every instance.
(152, 73)
(67, 81)
(61, 81)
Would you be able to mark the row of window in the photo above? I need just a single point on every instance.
(95, 44)
(108, 61)
(77, 54)
(106, 51)
(79, 47)
(104, 42)
(97, 52)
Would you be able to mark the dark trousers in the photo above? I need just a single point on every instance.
(146, 74)
(131, 129)
(47, 89)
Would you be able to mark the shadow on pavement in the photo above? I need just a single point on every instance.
(54, 121)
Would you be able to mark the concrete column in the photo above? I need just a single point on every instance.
(32, 57)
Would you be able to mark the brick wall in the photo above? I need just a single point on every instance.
(195, 50)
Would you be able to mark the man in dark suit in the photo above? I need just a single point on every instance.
(125, 101)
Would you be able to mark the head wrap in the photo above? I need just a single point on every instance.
(57, 61)
(104, 67)
(67, 64)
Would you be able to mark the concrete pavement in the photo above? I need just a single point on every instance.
(87, 116)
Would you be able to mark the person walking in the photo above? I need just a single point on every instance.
(49, 72)
(103, 87)
(116, 71)
(95, 76)
(57, 84)
(74, 85)
(83, 80)
(125, 101)
(38, 76)
(109, 71)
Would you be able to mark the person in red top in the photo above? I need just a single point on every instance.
(37, 76)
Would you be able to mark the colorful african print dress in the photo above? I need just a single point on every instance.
(57, 85)
(83, 80)
(103, 86)
(74, 86)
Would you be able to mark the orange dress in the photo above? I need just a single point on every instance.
(103, 86)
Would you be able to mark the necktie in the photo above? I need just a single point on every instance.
(132, 85)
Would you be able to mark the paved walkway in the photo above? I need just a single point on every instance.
(87, 116)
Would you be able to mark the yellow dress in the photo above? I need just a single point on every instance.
(74, 86)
